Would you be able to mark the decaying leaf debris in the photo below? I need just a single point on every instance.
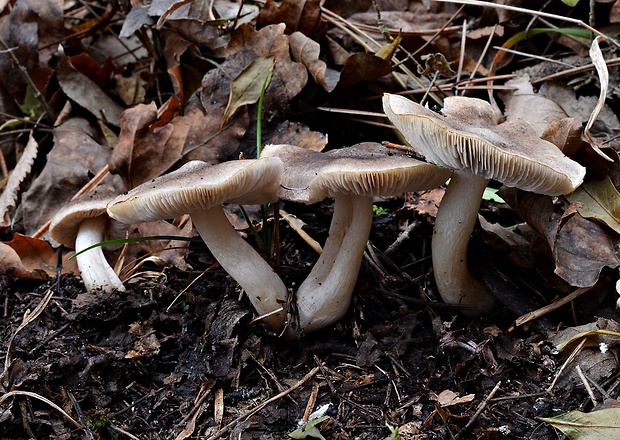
(116, 94)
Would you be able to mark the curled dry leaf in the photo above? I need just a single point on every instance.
(76, 154)
(581, 248)
(84, 91)
(603, 76)
(597, 425)
(12, 190)
(307, 51)
(524, 103)
(27, 257)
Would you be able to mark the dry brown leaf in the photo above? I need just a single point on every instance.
(76, 154)
(12, 190)
(298, 15)
(307, 51)
(427, 203)
(141, 153)
(288, 78)
(166, 253)
(27, 257)
(524, 103)
(581, 248)
(565, 134)
(361, 67)
(85, 92)
(298, 134)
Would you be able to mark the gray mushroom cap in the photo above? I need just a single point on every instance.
(367, 169)
(65, 224)
(199, 186)
(466, 136)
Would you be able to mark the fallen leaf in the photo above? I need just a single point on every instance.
(582, 249)
(597, 425)
(449, 398)
(75, 156)
(298, 15)
(361, 67)
(524, 103)
(28, 257)
(600, 200)
(246, 88)
(85, 92)
(141, 153)
(12, 190)
(307, 52)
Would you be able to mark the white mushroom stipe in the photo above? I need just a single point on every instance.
(453, 227)
(264, 288)
(325, 295)
(94, 268)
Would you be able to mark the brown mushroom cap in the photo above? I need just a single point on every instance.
(366, 169)
(466, 137)
(199, 186)
(65, 224)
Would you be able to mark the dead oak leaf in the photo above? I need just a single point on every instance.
(289, 77)
(298, 15)
(141, 153)
(27, 257)
(85, 92)
(307, 52)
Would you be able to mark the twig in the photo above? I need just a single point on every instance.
(260, 407)
(572, 356)
(586, 385)
(81, 418)
(550, 307)
(481, 408)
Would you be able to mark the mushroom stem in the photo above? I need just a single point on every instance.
(325, 295)
(454, 224)
(243, 263)
(94, 268)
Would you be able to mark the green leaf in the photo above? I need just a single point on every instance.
(247, 86)
(490, 194)
(597, 425)
(309, 430)
(598, 199)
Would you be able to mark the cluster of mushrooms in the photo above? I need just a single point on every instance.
(463, 143)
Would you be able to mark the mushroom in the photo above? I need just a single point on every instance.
(84, 222)
(466, 139)
(200, 189)
(352, 176)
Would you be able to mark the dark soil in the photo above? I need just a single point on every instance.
(125, 367)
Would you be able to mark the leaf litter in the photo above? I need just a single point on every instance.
(134, 91)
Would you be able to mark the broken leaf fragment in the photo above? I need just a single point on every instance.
(576, 425)
(309, 430)
(600, 200)
(246, 88)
